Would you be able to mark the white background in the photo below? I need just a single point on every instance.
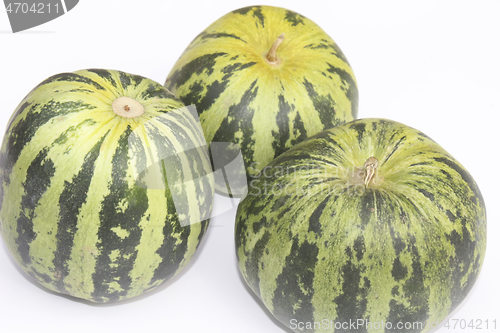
(431, 65)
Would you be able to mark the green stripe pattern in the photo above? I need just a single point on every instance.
(317, 246)
(262, 108)
(72, 212)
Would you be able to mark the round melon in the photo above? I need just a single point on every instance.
(263, 79)
(371, 223)
(91, 193)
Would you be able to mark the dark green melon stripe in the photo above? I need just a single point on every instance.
(128, 220)
(38, 179)
(195, 95)
(351, 306)
(127, 79)
(204, 227)
(204, 193)
(413, 288)
(399, 271)
(244, 10)
(366, 204)
(384, 202)
(141, 158)
(252, 264)
(20, 109)
(283, 123)
(398, 242)
(320, 46)
(465, 258)
(190, 120)
(324, 105)
(359, 247)
(24, 130)
(415, 293)
(352, 90)
(184, 128)
(71, 78)
(236, 67)
(299, 130)
(237, 119)
(217, 35)
(395, 149)
(329, 140)
(171, 253)
(81, 90)
(314, 224)
(165, 147)
(203, 99)
(75, 193)
(360, 129)
(34, 273)
(173, 163)
(157, 91)
(196, 66)
(104, 75)
(6, 162)
(294, 285)
(466, 177)
(338, 52)
(294, 18)
(257, 13)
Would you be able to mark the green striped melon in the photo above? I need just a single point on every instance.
(371, 222)
(75, 212)
(264, 78)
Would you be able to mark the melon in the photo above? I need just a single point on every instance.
(264, 78)
(80, 209)
(370, 223)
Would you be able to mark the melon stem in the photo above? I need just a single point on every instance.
(127, 107)
(370, 168)
(272, 57)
